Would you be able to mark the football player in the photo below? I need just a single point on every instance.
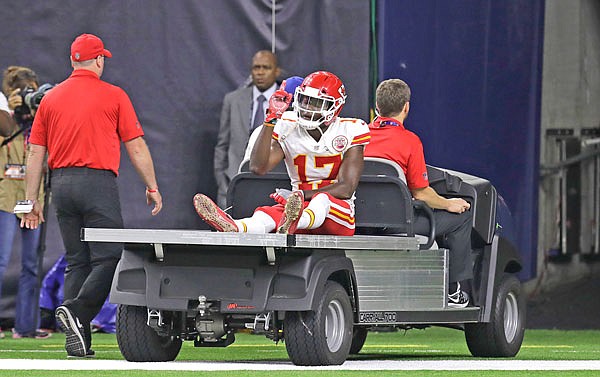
(323, 154)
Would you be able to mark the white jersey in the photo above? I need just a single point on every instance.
(314, 164)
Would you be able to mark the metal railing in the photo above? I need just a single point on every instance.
(578, 159)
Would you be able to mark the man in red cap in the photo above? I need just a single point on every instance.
(80, 124)
(86, 47)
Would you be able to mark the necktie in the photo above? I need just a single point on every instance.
(259, 115)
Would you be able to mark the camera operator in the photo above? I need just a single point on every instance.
(14, 140)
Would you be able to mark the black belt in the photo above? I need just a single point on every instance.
(81, 170)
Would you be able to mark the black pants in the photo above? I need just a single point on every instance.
(87, 198)
(453, 232)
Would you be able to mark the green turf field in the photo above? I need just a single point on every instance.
(431, 343)
(428, 344)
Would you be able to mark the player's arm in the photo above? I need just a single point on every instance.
(348, 175)
(267, 152)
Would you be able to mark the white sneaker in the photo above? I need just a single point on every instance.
(458, 299)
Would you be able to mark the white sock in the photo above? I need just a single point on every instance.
(313, 216)
(260, 222)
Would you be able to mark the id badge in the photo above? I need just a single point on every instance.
(14, 171)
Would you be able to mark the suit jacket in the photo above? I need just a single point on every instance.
(234, 132)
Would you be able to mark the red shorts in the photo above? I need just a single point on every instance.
(338, 222)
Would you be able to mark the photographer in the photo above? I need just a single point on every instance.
(15, 133)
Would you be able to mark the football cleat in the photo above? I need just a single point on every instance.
(213, 215)
(291, 213)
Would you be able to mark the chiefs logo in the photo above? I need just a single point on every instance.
(339, 143)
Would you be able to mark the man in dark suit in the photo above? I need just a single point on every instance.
(243, 110)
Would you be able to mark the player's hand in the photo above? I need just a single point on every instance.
(278, 104)
(281, 195)
(458, 205)
(33, 219)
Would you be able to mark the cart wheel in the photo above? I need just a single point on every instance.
(138, 341)
(359, 336)
(503, 335)
(324, 336)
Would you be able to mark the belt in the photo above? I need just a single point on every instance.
(80, 170)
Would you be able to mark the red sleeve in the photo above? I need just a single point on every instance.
(416, 176)
(39, 133)
(128, 125)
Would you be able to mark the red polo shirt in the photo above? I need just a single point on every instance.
(82, 121)
(390, 140)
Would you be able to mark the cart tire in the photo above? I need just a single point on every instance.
(503, 335)
(322, 336)
(359, 336)
(138, 341)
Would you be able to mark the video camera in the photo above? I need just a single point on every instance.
(31, 101)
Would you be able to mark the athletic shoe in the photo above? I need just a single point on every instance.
(291, 213)
(37, 334)
(70, 325)
(213, 215)
(1, 333)
(458, 299)
(89, 354)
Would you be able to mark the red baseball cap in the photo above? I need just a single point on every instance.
(86, 47)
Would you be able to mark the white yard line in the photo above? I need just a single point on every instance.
(24, 364)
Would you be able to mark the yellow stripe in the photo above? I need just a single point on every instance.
(341, 215)
(311, 214)
(245, 227)
(358, 140)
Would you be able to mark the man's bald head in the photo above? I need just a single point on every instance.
(265, 69)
